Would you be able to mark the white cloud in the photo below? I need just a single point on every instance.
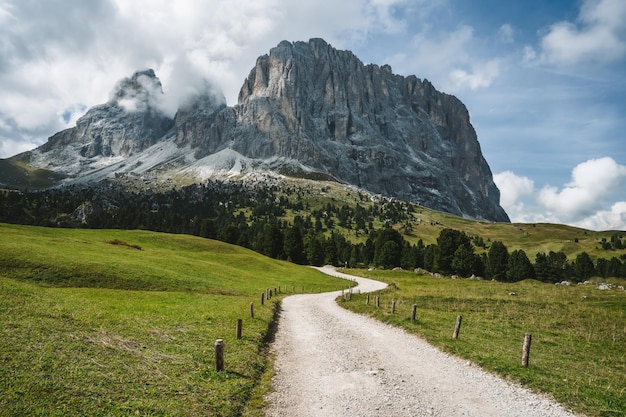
(68, 54)
(590, 200)
(513, 187)
(612, 219)
(438, 52)
(12, 147)
(594, 182)
(482, 75)
(598, 35)
(514, 190)
(451, 59)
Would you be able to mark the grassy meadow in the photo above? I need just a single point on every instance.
(426, 225)
(118, 323)
(578, 350)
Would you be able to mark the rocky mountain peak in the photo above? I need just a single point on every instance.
(139, 92)
(305, 109)
(364, 125)
(128, 123)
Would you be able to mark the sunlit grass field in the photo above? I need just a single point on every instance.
(118, 323)
(578, 350)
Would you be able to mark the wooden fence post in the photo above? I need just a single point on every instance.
(367, 299)
(251, 310)
(239, 328)
(414, 312)
(393, 307)
(457, 327)
(262, 298)
(526, 349)
(219, 355)
(377, 301)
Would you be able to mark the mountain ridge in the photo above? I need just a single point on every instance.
(305, 108)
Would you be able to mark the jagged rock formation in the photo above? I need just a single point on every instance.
(128, 123)
(306, 108)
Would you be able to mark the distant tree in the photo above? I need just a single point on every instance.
(448, 242)
(355, 256)
(622, 270)
(583, 267)
(542, 269)
(616, 241)
(388, 255)
(479, 242)
(382, 237)
(314, 248)
(293, 246)
(318, 225)
(271, 241)
(498, 261)
(412, 256)
(229, 234)
(519, 267)
(430, 253)
(615, 268)
(558, 266)
(602, 267)
(330, 252)
(207, 228)
(369, 250)
(464, 261)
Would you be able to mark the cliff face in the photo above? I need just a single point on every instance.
(307, 107)
(362, 125)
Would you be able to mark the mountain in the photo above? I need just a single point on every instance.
(305, 109)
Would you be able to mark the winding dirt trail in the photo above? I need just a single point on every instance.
(334, 363)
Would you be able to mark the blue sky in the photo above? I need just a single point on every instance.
(544, 81)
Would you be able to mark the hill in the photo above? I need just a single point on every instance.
(313, 222)
(19, 175)
(113, 322)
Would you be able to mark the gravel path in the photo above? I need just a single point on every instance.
(334, 363)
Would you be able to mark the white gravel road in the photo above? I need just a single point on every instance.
(334, 363)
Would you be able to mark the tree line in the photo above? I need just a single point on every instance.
(255, 217)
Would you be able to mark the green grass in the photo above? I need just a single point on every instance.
(578, 350)
(427, 225)
(115, 323)
(18, 174)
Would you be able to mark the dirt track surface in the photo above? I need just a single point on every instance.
(334, 363)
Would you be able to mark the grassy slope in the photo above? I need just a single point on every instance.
(96, 328)
(427, 224)
(579, 332)
(18, 174)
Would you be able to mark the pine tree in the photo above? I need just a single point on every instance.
(464, 261)
(293, 245)
(448, 242)
(519, 267)
(498, 261)
(583, 267)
